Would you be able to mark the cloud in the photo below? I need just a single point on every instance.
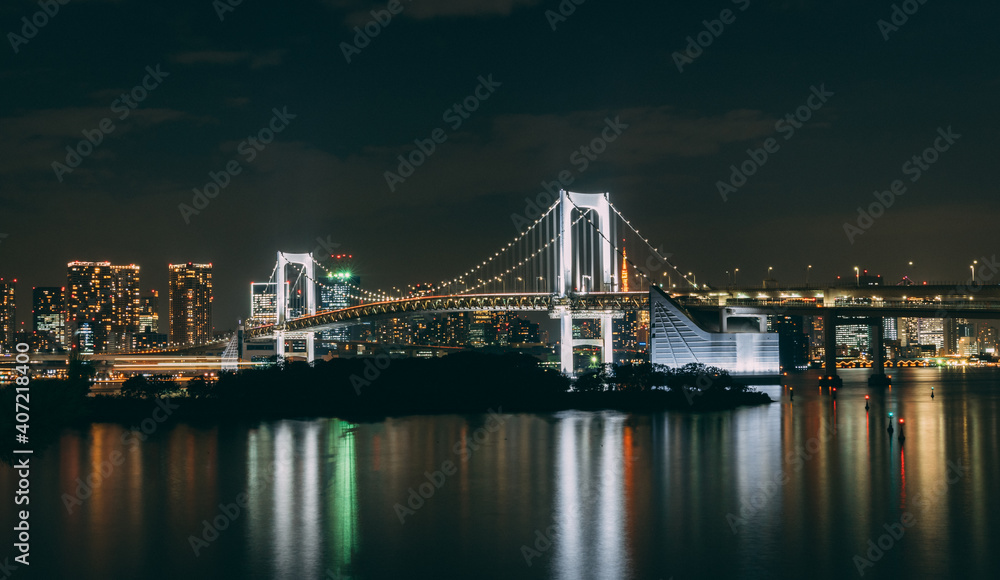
(34, 140)
(509, 154)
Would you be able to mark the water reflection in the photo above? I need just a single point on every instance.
(786, 490)
(302, 494)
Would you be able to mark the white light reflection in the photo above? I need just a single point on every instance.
(284, 470)
(568, 556)
(611, 523)
(590, 500)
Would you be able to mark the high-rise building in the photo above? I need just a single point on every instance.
(523, 331)
(793, 343)
(856, 338)
(890, 329)
(106, 297)
(625, 331)
(48, 316)
(930, 331)
(337, 289)
(7, 313)
(149, 313)
(190, 303)
(482, 331)
(263, 303)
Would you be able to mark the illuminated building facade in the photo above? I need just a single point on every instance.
(7, 313)
(149, 313)
(338, 290)
(676, 340)
(190, 298)
(793, 343)
(481, 329)
(523, 332)
(48, 317)
(930, 331)
(106, 298)
(853, 338)
(263, 303)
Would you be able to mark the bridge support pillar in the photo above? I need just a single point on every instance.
(310, 347)
(279, 344)
(878, 377)
(829, 376)
(566, 341)
(607, 334)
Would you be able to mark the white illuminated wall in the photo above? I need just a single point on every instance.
(676, 340)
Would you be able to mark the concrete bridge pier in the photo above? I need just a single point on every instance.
(878, 377)
(829, 377)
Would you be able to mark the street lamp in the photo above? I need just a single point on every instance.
(808, 269)
(973, 268)
(857, 276)
(736, 274)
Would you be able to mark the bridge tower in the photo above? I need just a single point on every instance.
(281, 302)
(584, 266)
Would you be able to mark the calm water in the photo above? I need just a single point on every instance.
(794, 489)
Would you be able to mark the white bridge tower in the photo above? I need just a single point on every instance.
(281, 303)
(585, 265)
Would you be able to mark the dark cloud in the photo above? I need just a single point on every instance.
(325, 175)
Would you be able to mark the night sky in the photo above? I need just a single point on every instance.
(323, 176)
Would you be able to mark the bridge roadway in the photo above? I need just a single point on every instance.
(956, 301)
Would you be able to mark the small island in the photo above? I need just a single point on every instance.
(373, 388)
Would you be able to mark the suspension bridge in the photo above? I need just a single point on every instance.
(573, 263)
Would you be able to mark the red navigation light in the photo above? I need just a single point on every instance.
(900, 420)
(866, 397)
